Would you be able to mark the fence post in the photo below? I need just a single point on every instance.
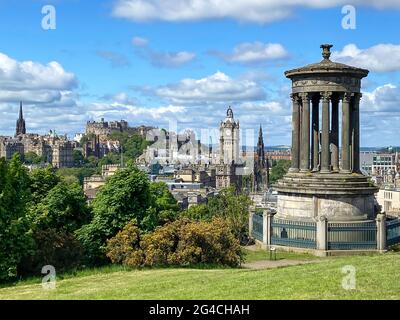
(252, 212)
(266, 227)
(322, 233)
(381, 231)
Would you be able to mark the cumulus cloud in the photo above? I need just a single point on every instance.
(255, 52)
(218, 87)
(163, 59)
(384, 98)
(378, 58)
(259, 11)
(24, 79)
(116, 59)
(31, 76)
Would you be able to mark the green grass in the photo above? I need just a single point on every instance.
(376, 278)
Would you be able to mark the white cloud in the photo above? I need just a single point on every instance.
(33, 82)
(139, 42)
(259, 11)
(384, 98)
(255, 52)
(215, 88)
(378, 58)
(163, 59)
(116, 59)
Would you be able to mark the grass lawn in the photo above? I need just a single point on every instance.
(377, 277)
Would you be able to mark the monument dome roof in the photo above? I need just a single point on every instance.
(326, 66)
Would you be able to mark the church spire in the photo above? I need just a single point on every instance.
(21, 115)
(20, 127)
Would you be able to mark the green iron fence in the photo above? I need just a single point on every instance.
(392, 232)
(352, 236)
(258, 227)
(293, 233)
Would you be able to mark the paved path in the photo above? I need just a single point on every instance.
(269, 264)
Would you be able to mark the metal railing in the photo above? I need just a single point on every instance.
(392, 232)
(258, 227)
(293, 233)
(352, 236)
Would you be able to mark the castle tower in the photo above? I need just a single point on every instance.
(229, 139)
(20, 127)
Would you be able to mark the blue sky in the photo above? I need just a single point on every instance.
(153, 62)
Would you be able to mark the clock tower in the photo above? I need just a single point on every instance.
(229, 139)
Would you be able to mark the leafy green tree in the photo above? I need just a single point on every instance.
(78, 173)
(134, 146)
(229, 205)
(63, 208)
(78, 157)
(41, 182)
(15, 235)
(279, 169)
(32, 158)
(124, 197)
(164, 207)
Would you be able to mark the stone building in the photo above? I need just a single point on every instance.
(104, 128)
(54, 149)
(9, 146)
(229, 139)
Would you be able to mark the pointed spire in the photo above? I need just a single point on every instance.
(21, 115)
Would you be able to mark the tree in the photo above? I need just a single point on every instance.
(41, 182)
(134, 146)
(279, 169)
(124, 197)
(228, 205)
(77, 174)
(164, 207)
(32, 158)
(78, 158)
(15, 236)
(63, 208)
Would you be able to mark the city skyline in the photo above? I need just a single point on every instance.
(109, 61)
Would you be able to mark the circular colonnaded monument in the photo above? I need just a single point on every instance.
(325, 181)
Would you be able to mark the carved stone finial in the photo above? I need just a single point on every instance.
(326, 51)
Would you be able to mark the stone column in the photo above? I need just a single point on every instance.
(305, 134)
(315, 133)
(322, 233)
(325, 152)
(356, 134)
(267, 220)
(295, 134)
(335, 134)
(381, 232)
(251, 215)
(346, 132)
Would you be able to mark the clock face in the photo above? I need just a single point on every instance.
(227, 132)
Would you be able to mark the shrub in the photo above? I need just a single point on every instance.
(124, 248)
(53, 247)
(182, 242)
